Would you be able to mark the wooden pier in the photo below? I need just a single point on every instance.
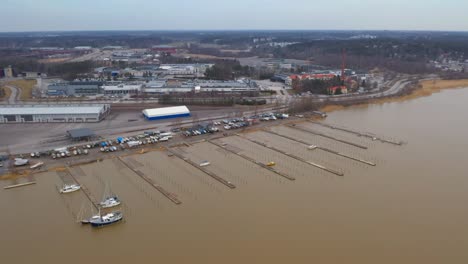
(373, 137)
(209, 173)
(167, 194)
(294, 156)
(253, 161)
(84, 189)
(327, 136)
(18, 185)
(322, 148)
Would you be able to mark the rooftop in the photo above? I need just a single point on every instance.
(50, 110)
(163, 111)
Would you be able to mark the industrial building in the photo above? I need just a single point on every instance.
(53, 113)
(166, 112)
(161, 86)
(122, 89)
(75, 88)
(81, 134)
(194, 69)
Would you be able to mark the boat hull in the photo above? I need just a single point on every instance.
(70, 190)
(99, 224)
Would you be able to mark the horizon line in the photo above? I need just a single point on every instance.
(232, 30)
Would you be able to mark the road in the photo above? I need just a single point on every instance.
(393, 90)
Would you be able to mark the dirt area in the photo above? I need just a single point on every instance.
(6, 92)
(426, 89)
(26, 87)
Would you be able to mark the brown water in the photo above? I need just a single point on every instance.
(410, 208)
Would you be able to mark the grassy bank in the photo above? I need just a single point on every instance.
(425, 88)
(26, 87)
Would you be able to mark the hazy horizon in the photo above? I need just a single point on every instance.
(211, 15)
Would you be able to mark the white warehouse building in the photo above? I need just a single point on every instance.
(166, 112)
(53, 113)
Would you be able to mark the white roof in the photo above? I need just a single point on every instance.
(164, 111)
(45, 110)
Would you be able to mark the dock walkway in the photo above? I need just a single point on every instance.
(338, 173)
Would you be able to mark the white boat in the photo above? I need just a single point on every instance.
(204, 163)
(106, 219)
(311, 147)
(37, 165)
(108, 198)
(68, 188)
(110, 202)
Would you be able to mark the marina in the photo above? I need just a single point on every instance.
(279, 173)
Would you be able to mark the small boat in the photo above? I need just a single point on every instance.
(70, 188)
(311, 147)
(204, 163)
(21, 162)
(107, 219)
(110, 202)
(271, 163)
(37, 165)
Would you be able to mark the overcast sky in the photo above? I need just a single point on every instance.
(51, 15)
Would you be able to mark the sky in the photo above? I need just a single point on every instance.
(64, 15)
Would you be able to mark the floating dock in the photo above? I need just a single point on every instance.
(327, 136)
(373, 137)
(253, 161)
(167, 194)
(338, 173)
(322, 148)
(209, 173)
(18, 185)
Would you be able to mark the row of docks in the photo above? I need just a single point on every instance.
(294, 126)
(338, 173)
(359, 134)
(203, 169)
(310, 146)
(227, 148)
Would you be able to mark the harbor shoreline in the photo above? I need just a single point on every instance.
(422, 89)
